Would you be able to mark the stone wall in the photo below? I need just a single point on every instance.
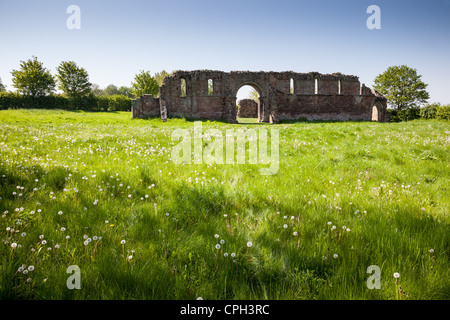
(145, 107)
(247, 108)
(283, 96)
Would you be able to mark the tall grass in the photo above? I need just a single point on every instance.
(107, 178)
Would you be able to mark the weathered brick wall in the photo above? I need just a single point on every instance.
(314, 96)
(145, 106)
(247, 108)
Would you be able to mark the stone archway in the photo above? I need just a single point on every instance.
(258, 89)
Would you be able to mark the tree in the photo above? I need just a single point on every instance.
(125, 91)
(33, 79)
(111, 90)
(73, 80)
(159, 76)
(429, 111)
(2, 86)
(402, 87)
(95, 89)
(253, 94)
(144, 83)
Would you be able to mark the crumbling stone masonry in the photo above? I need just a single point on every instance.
(145, 107)
(207, 94)
(247, 108)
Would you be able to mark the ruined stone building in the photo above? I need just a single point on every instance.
(207, 94)
(247, 108)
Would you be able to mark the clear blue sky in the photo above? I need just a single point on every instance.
(117, 39)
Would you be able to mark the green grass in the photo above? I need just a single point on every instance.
(386, 182)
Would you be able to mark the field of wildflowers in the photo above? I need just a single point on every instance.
(99, 191)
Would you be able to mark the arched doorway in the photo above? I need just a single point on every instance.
(375, 113)
(248, 103)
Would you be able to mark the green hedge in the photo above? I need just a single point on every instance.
(443, 113)
(430, 111)
(11, 100)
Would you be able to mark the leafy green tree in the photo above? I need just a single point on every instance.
(33, 79)
(253, 94)
(159, 76)
(144, 83)
(429, 111)
(73, 80)
(2, 86)
(96, 90)
(111, 90)
(443, 112)
(125, 91)
(402, 87)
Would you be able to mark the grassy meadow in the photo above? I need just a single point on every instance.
(99, 191)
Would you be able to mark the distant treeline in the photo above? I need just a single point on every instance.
(90, 102)
(429, 111)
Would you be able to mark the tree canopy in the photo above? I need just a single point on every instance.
(159, 76)
(144, 83)
(73, 80)
(33, 79)
(402, 87)
(2, 86)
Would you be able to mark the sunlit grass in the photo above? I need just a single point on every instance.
(107, 178)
